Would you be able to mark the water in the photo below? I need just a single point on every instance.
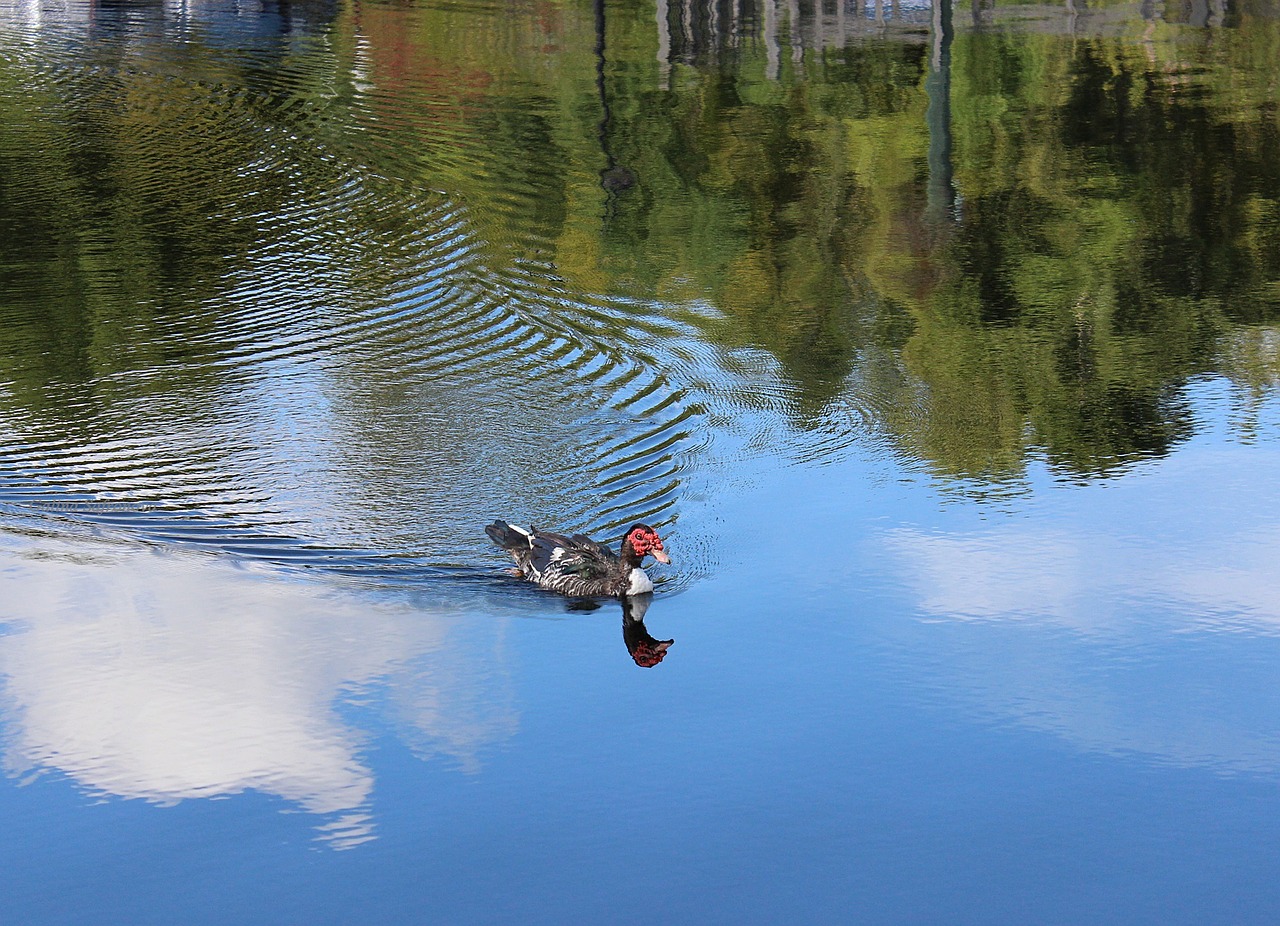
(940, 344)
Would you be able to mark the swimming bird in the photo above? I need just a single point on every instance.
(579, 566)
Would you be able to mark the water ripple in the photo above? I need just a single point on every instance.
(356, 377)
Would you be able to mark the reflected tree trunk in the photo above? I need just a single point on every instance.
(773, 66)
(664, 45)
(615, 177)
(941, 192)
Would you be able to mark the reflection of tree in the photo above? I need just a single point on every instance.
(130, 213)
(1040, 240)
(1110, 226)
(1103, 249)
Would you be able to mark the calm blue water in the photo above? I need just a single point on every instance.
(888, 706)
(974, 597)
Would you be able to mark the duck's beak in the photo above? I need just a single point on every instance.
(661, 557)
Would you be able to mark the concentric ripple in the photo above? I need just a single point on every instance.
(280, 346)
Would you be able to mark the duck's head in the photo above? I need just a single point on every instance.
(641, 541)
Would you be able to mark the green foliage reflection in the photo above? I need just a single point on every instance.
(1111, 229)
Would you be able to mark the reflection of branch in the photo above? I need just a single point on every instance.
(613, 178)
(605, 115)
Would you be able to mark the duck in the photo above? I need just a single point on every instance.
(579, 566)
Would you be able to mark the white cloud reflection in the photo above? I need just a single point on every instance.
(159, 676)
(998, 574)
(1160, 649)
(1090, 581)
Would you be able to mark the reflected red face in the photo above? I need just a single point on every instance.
(647, 543)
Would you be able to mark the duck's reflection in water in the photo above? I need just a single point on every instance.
(644, 649)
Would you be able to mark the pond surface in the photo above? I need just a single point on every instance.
(940, 343)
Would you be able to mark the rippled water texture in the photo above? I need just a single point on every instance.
(939, 343)
(352, 362)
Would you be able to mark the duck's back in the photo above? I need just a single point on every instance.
(572, 565)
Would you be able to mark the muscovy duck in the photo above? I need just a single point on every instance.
(577, 565)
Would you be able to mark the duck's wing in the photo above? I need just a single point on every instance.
(577, 556)
(585, 543)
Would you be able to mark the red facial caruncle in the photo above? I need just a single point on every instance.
(646, 541)
(641, 542)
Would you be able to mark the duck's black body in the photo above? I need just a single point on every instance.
(577, 565)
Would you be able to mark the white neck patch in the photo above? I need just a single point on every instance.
(640, 582)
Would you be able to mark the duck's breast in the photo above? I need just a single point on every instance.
(640, 583)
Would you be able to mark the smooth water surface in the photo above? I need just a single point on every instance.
(940, 343)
